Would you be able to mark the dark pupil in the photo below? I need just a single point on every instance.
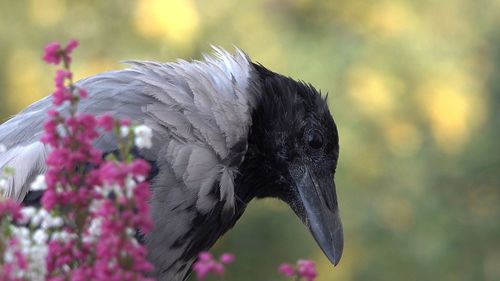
(315, 139)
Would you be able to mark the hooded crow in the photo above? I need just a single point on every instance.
(226, 131)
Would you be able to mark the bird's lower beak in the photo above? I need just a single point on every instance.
(317, 207)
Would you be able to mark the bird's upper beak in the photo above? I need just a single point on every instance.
(316, 205)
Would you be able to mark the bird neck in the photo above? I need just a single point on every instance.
(257, 175)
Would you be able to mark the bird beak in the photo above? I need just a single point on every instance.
(316, 205)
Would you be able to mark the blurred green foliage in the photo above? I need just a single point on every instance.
(413, 85)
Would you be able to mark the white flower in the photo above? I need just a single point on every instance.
(95, 227)
(3, 148)
(143, 135)
(21, 233)
(51, 221)
(129, 187)
(130, 232)
(62, 236)
(94, 230)
(57, 221)
(39, 183)
(8, 256)
(39, 217)
(124, 131)
(106, 190)
(28, 213)
(96, 204)
(40, 236)
(37, 267)
(36, 220)
(33, 247)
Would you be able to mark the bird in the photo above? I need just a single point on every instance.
(226, 131)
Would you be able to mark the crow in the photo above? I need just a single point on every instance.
(226, 130)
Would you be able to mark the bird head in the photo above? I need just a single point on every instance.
(295, 143)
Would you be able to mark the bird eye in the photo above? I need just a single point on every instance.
(315, 139)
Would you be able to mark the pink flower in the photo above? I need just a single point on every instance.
(60, 96)
(218, 268)
(125, 122)
(66, 53)
(206, 264)
(139, 168)
(202, 270)
(83, 93)
(307, 269)
(227, 258)
(74, 169)
(286, 269)
(61, 76)
(10, 208)
(205, 256)
(107, 122)
(49, 199)
(52, 53)
(17, 263)
(72, 44)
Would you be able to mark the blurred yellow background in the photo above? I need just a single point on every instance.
(413, 85)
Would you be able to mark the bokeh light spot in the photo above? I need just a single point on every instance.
(46, 13)
(372, 91)
(174, 20)
(25, 79)
(403, 137)
(453, 108)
